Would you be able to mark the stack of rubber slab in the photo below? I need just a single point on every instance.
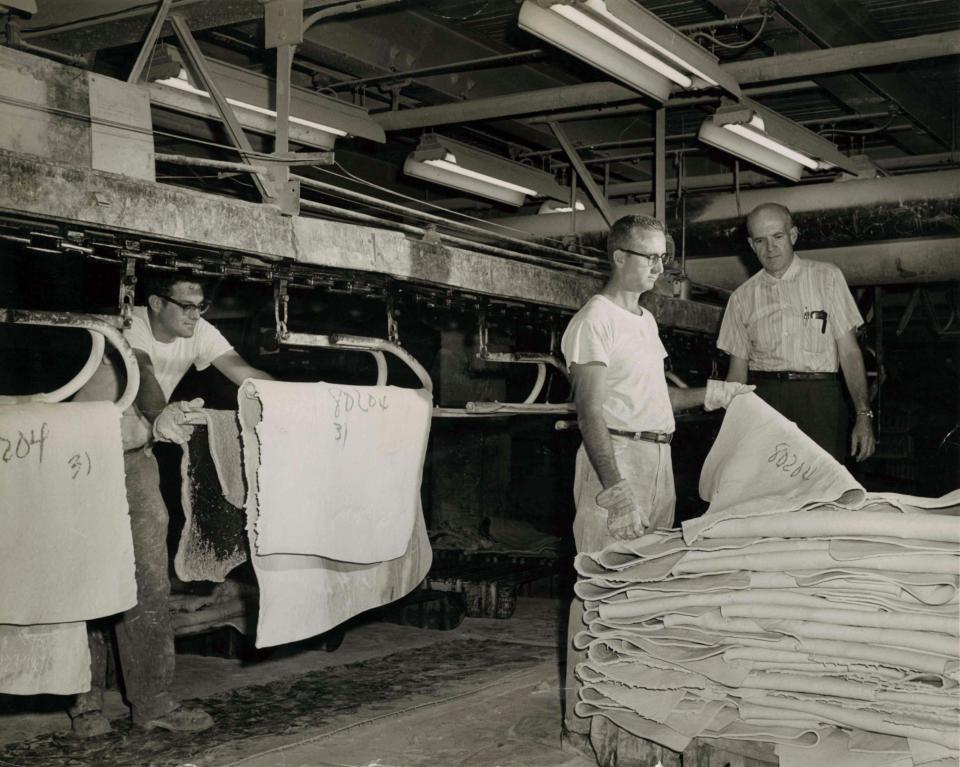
(827, 626)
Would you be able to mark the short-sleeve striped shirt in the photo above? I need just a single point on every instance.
(775, 324)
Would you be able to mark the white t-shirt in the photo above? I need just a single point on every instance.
(629, 345)
(172, 360)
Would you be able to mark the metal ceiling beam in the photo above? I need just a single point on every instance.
(198, 65)
(832, 23)
(583, 174)
(97, 24)
(847, 58)
(572, 96)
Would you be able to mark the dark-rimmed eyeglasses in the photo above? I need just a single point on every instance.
(187, 308)
(664, 258)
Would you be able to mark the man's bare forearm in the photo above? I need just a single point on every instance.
(150, 399)
(599, 447)
(855, 376)
(685, 399)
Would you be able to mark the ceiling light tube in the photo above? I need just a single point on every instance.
(622, 43)
(761, 136)
(754, 131)
(449, 162)
(452, 163)
(627, 42)
(180, 83)
(748, 150)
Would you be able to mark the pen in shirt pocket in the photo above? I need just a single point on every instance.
(817, 315)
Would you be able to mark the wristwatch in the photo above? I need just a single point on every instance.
(867, 413)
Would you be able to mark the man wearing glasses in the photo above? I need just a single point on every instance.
(168, 335)
(624, 476)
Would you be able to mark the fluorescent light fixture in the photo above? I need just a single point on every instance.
(754, 131)
(627, 42)
(763, 137)
(183, 84)
(451, 163)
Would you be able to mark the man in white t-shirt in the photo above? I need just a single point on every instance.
(624, 476)
(168, 335)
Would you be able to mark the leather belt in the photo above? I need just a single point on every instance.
(790, 375)
(647, 436)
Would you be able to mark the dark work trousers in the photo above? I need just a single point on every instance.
(144, 633)
(817, 407)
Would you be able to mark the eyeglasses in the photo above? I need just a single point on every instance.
(187, 308)
(665, 259)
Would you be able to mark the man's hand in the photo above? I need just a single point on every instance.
(721, 393)
(862, 441)
(173, 423)
(625, 518)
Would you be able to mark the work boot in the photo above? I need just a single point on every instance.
(90, 724)
(182, 719)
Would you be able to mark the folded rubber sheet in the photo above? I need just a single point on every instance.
(333, 479)
(66, 550)
(212, 492)
(804, 612)
(339, 467)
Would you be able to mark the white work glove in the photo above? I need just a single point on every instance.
(721, 393)
(174, 422)
(625, 518)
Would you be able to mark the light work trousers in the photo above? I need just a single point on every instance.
(648, 467)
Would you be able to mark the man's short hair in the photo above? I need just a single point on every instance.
(763, 207)
(161, 283)
(625, 229)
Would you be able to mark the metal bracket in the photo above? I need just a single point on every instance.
(393, 327)
(128, 285)
(100, 327)
(430, 235)
(281, 305)
(283, 23)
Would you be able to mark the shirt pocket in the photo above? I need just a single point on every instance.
(814, 335)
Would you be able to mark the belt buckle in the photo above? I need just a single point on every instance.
(637, 436)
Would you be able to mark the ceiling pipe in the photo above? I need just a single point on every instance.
(886, 263)
(470, 65)
(828, 214)
(791, 65)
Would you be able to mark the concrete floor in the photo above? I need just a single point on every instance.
(487, 693)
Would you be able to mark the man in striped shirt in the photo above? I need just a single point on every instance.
(788, 328)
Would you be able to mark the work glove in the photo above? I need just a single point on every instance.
(175, 422)
(625, 518)
(721, 393)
